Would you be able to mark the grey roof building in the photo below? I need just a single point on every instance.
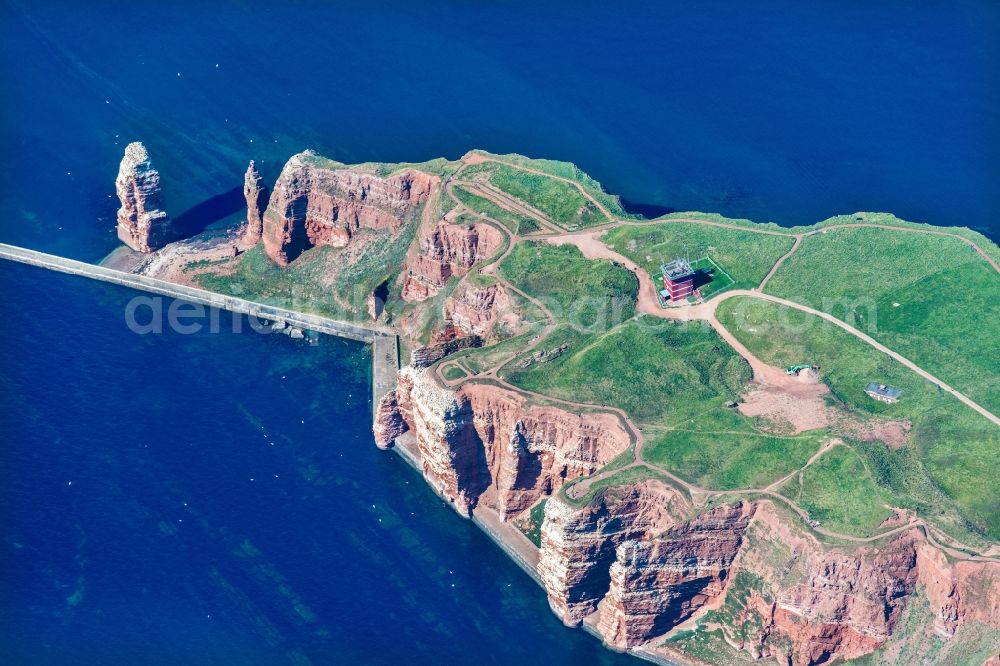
(883, 392)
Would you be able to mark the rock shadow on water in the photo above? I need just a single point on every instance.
(198, 218)
(648, 211)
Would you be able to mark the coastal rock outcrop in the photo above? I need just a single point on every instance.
(658, 584)
(388, 423)
(255, 193)
(476, 310)
(487, 444)
(447, 250)
(142, 224)
(451, 453)
(579, 543)
(315, 202)
(425, 356)
(632, 566)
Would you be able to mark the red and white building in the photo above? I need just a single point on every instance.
(678, 280)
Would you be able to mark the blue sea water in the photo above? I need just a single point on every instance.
(780, 110)
(216, 498)
(130, 525)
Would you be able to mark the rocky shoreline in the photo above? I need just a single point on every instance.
(631, 555)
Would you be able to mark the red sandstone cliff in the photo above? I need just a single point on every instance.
(658, 583)
(487, 444)
(255, 193)
(315, 204)
(579, 543)
(447, 250)
(476, 310)
(142, 225)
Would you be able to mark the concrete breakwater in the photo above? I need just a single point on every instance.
(385, 345)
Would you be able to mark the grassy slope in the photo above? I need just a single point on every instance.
(298, 286)
(532, 526)
(589, 294)
(514, 222)
(570, 171)
(653, 370)
(559, 201)
(948, 312)
(727, 460)
(745, 256)
(438, 166)
(838, 490)
(948, 466)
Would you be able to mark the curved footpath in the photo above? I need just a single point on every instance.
(648, 303)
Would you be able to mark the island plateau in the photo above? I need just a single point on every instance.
(710, 441)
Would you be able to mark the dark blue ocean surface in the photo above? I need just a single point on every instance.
(782, 110)
(217, 499)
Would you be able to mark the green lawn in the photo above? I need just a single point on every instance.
(453, 372)
(945, 471)
(730, 460)
(745, 256)
(513, 222)
(931, 298)
(654, 370)
(838, 490)
(559, 201)
(589, 294)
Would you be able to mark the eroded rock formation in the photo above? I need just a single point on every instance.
(579, 543)
(389, 423)
(476, 310)
(316, 203)
(657, 584)
(635, 559)
(486, 444)
(142, 224)
(422, 357)
(255, 193)
(447, 250)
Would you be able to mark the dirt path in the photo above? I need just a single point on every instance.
(781, 260)
(498, 198)
(480, 158)
(591, 247)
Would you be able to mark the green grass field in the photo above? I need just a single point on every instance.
(839, 491)
(745, 256)
(656, 371)
(299, 286)
(561, 202)
(932, 299)
(514, 222)
(306, 283)
(570, 171)
(945, 471)
(730, 460)
(589, 294)
(453, 372)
